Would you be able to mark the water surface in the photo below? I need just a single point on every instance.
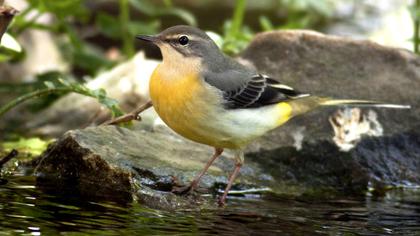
(24, 209)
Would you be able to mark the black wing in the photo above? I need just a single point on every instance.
(258, 91)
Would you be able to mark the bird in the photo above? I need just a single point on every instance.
(210, 98)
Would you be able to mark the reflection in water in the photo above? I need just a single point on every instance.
(25, 209)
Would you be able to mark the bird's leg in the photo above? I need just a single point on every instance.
(133, 115)
(239, 161)
(194, 183)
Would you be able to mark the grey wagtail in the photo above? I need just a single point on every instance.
(210, 98)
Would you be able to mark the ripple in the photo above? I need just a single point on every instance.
(24, 209)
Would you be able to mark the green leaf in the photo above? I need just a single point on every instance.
(266, 24)
(4, 57)
(135, 27)
(66, 87)
(61, 8)
(234, 43)
(182, 14)
(90, 59)
(145, 7)
(153, 10)
(415, 12)
(49, 84)
(98, 93)
(65, 82)
(108, 25)
(324, 7)
(9, 55)
(110, 103)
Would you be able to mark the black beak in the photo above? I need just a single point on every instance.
(148, 38)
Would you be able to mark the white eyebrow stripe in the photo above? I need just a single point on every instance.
(171, 38)
(176, 37)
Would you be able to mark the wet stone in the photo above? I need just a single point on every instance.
(122, 164)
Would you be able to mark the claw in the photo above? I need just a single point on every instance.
(221, 201)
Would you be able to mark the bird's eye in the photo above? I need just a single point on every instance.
(183, 40)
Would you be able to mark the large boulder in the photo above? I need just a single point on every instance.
(340, 68)
(122, 164)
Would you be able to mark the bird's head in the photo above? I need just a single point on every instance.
(181, 43)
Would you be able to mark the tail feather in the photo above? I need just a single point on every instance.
(306, 104)
(364, 103)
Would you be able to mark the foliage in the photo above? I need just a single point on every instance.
(415, 14)
(64, 86)
(236, 36)
(306, 13)
(299, 14)
(121, 27)
(71, 15)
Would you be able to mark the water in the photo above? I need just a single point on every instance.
(24, 209)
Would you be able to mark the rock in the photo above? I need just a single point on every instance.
(121, 164)
(376, 163)
(343, 68)
(143, 163)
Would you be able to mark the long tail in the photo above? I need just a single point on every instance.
(364, 103)
(303, 105)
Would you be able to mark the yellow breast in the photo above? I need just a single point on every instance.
(181, 101)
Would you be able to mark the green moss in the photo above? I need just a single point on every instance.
(31, 146)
